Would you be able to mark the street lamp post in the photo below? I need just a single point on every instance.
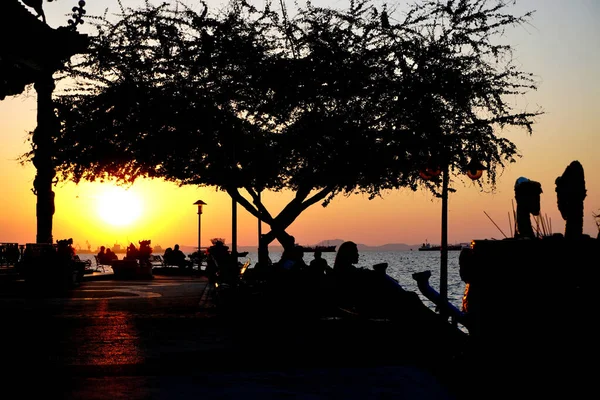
(199, 203)
(259, 224)
(444, 241)
(234, 227)
(474, 171)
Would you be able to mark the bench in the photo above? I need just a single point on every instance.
(101, 265)
(167, 262)
(157, 260)
(88, 263)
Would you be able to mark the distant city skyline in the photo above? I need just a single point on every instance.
(560, 47)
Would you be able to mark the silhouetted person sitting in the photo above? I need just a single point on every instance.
(102, 259)
(372, 292)
(167, 255)
(291, 268)
(220, 264)
(110, 256)
(318, 266)
(292, 260)
(348, 279)
(263, 268)
(177, 258)
(288, 279)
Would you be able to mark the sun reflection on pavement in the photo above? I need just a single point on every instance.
(109, 341)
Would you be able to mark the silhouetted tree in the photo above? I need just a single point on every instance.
(323, 102)
(458, 77)
(34, 52)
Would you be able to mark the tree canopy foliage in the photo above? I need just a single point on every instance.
(321, 101)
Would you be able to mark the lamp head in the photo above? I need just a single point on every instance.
(475, 169)
(200, 203)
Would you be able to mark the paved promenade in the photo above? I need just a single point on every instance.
(162, 339)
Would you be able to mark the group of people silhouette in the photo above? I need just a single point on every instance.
(344, 285)
(106, 255)
(142, 253)
(293, 260)
(174, 256)
(368, 292)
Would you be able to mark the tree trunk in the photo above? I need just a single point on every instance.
(285, 218)
(277, 232)
(43, 141)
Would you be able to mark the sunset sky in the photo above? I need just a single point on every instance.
(561, 47)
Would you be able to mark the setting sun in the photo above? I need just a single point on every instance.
(117, 206)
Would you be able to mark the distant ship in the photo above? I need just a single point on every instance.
(117, 249)
(323, 249)
(429, 247)
(80, 250)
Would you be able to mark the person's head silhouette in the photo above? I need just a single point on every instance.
(298, 251)
(346, 255)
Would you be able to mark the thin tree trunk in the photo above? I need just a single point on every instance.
(43, 141)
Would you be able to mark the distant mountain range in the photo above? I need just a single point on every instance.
(336, 242)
